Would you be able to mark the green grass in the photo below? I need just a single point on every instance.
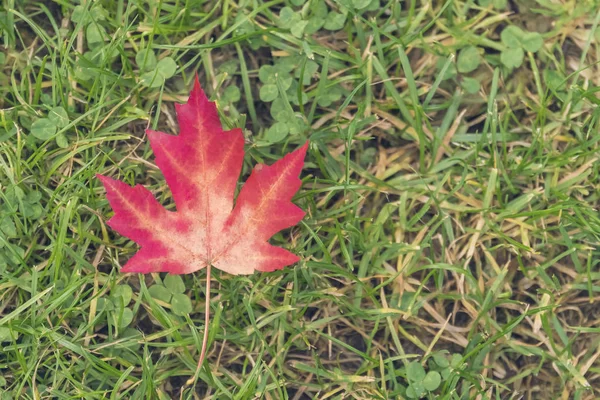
(452, 202)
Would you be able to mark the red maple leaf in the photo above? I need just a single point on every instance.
(201, 166)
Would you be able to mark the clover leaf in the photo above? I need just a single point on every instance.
(310, 69)
(116, 304)
(517, 42)
(268, 92)
(511, 36)
(43, 129)
(58, 116)
(471, 85)
(146, 60)
(330, 96)
(468, 59)
(94, 34)
(512, 58)
(181, 304)
(165, 69)
(6, 334)
(420, 381)
(277, 132)
(432, 381)
(450, 71)
(7, 227)
(174, 284)
(360, 4)
(415, 371)
(287, 16)
(122, 294)
(61, 141)
(46, 128)
(172, 292)
(532, 41)
(231, 94)
(334, 21)
(159, 292)
(440, 360)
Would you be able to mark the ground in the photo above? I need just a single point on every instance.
(451, 244)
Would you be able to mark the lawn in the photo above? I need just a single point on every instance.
(451, 244)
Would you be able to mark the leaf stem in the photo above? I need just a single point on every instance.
(206, 326)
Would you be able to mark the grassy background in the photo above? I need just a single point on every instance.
(452, 196)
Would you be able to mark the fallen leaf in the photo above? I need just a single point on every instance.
(201, 166)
